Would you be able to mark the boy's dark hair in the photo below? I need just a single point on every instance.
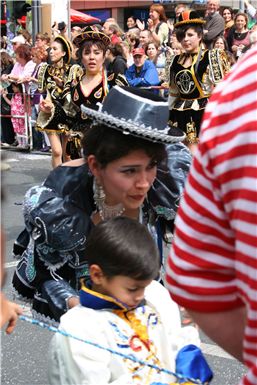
(108, 144)
(123, 246)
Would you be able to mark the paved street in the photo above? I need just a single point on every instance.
(24, 354)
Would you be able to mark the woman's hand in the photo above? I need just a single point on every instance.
(72, 301)
(140, 24)
(4, 77)
(58, 81)
(46, 106)
(27, 79)
(150, 25)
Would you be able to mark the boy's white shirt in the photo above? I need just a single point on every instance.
(73, 362)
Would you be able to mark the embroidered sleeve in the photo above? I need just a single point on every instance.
(121, 80)
(74, 77)
(58, 227)
(219, 65)
(41, 78)
(173, 90)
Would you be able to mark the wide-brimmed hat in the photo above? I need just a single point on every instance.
(136, 112)
(189, 17)
(66, 46)
(89, 33)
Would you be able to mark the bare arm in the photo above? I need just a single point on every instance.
(9, 314)
(226, 328)
(8, 101)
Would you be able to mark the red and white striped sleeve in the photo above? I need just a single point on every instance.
(212, 265)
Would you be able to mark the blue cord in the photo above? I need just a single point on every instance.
(130, 357)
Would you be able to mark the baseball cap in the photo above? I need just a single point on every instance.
(19, 39)
(138, 51)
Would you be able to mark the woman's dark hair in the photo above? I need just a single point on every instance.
(116, 49)
(242, 14)
(229, 9)
(181, 31)
(19, 86)
(108, 144)
(123, 246)
(133, 18)
(6, 60)
(224, 41)
(87, 45)
(3, 43)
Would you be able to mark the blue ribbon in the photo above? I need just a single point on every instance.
(54, 329)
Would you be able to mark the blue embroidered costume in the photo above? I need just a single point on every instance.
(58, 219)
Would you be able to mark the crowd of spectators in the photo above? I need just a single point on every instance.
(141, 53)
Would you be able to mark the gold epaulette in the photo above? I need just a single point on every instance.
(121, 80)
(76, 71)
(219, 64)
(41, 77)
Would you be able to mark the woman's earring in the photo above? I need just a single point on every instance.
(99, 194)
(105, 211)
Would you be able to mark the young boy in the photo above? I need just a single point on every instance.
(122, 308)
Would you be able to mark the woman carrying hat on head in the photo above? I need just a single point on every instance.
(51, 81)
(134, 165)
(91, 85)
(193, 74)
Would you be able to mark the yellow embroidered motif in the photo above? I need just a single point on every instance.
(140, 329)
(76, 95)
(98, 94)
(191, 133)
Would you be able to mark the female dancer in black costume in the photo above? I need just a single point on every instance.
(88, 85)
(193, 74)
(51, 82)
(126, 171)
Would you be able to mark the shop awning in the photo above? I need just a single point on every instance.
(80, 17)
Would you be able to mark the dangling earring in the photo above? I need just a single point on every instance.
(99, 194)
(105, 211)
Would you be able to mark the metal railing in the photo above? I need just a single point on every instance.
(26, 96)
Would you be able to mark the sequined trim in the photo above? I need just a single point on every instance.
(217, 59)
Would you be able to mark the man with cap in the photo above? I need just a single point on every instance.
(143, 72)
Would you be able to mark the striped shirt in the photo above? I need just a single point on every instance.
(213, 262)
